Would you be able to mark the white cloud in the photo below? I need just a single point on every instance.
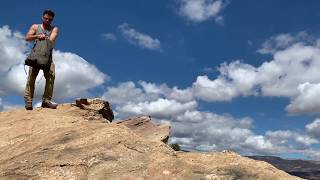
(181, 95)
(291, 67)
(109, 36)
(236, 79)
(145, 98)
(201, 10)
(219, 20)
(313, 129)
(282, 41)
(127, 92)
(259, 144)
(12, 48)
(74, 75)
(275, 43)
(278, 77)
(313, 154)
(138, 38)
(307, 101)
(216, 90)
(145, 91)
(208, 131)
(151, 88)
(286, 75)
(161, 108)
(300, 141)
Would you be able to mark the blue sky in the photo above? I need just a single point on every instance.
(239, 75)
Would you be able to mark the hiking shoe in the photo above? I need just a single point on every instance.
(28, 105)
(49, 105)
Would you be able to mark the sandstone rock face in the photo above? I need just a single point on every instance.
(74, 143)
(144, 127)
(96, 106)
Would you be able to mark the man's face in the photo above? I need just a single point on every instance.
(47, 19)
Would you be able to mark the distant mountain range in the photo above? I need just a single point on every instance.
(302, 168)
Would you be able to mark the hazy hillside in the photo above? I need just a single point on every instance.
(302, 168)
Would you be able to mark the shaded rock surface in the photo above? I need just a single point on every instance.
(74, 143)
(144, 127)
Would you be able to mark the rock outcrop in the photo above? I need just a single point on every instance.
(144, 127)
(96, 107)
(79, 143)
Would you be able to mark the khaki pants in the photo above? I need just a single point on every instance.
(49, 75)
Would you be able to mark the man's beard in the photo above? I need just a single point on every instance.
(45, 23)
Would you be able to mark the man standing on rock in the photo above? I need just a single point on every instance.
(41, 32)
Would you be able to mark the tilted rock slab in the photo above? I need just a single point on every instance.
(144, 127)
(72, 143)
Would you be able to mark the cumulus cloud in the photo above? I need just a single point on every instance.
(181, 95)
(109, 36)
(313, 129)
(290, 68)
(74, 75)
(219, 20)
(161, 108)
(202, 10)
(282, 41)
(139, 39)
(313, 154)
(206, 131)
(287, 75)
(235, 79)
(145, 98)
(12, 48)
(127, 92)
(298, 140)
(307, 100)
(278, 77)
(145, 91)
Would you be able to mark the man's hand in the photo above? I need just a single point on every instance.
(42, 36)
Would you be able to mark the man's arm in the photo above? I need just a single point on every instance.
(54, 34)
(31, 35)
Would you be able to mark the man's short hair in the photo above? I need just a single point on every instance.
(49, 12)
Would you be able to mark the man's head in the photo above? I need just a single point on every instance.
(47, 16)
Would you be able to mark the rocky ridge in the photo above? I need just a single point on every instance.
(80, 141)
